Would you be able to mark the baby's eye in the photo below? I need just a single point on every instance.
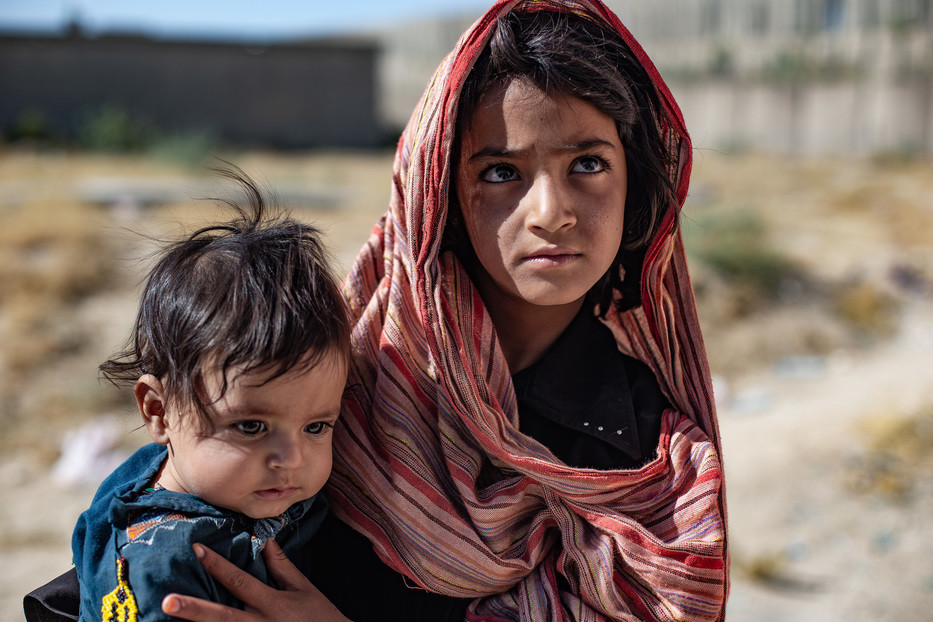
(588, 164)
(318, 427)
(250, 427)
(499, 173)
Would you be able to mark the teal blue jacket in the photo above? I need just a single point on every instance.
(133, 546)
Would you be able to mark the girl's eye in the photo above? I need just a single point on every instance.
(499, 173)
(588, 164)
(318, 427)
(251, 427)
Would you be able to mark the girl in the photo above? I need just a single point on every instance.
(532, 435)
(535, 427)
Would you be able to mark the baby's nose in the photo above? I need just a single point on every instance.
(286, 454)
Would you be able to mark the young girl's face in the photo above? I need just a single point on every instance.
(541, 183)
(270, 445)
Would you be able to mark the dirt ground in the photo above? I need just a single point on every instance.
(828, 508)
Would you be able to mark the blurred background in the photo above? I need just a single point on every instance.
(809, 225)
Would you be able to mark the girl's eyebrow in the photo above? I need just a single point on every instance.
(583, 145)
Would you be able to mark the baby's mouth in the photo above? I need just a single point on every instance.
(273, 494)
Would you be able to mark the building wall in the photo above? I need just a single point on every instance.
(283, 95)
(690, 34)
(798, 76)
(795, 76)
(821, 118)
(411, 53)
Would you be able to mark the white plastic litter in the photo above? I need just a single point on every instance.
(89, 453)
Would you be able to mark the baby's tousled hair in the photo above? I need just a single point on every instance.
(570, 54)
(252, 294)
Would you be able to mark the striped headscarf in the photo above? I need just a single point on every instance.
(429, 463)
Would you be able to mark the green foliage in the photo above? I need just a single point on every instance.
(797, 66)
(736, 247)
(901, 155)
(721, 64)
(111, 129)
(30, 125)
(189, 149)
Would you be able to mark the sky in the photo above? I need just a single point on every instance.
(233, 19)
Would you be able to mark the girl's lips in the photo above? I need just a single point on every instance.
(552, 257)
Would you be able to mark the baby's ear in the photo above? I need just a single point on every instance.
(150, 398)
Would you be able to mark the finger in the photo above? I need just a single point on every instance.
(241, 584)
(198, 610)
(285, 573)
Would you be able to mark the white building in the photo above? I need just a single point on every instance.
(796, 76)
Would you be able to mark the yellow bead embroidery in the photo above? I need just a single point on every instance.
(120, 604)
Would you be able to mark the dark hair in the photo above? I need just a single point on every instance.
(574, 55)
(255, 293)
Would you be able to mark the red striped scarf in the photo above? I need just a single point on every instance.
(429, 462)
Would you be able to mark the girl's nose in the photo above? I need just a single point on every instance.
(549, 205)
(286, 453)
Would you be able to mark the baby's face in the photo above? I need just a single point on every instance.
(270, 445)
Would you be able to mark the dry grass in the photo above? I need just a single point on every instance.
(898, 455)
(773, 570)
(52, 255)
(824, 235)
(869, 310)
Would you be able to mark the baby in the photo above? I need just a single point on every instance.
(239, 362)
